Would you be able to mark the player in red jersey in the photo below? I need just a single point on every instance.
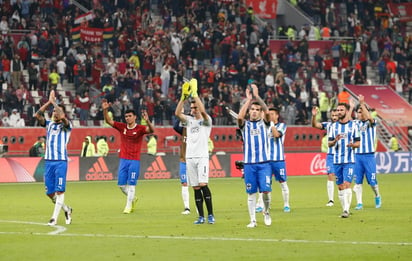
(131, 141)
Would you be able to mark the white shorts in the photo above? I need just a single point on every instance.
(197, 171)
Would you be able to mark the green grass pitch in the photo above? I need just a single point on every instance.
(157, 230)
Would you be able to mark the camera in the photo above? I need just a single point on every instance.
(239, 164)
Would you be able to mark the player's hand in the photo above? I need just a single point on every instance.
(186, 91)
(361, 98)
(314, 110)
(248, 94)
(52, 97)
(193, 86)
(255, 90)
(145, 116)
(105, 104)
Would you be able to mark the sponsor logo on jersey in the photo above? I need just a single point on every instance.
(215, 169)
(157, 170)
(99, 171)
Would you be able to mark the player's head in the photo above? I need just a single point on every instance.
(57, 116)
(341, 110)
(130, 116)
(194, 110)
(359, 113)
(274, 114)
(333, 115)
(255, 111)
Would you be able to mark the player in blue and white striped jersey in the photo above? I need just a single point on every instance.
(344, 137)
(277, 131)
(58, 136)
(330, 170)
(256, 157)
(365, 165)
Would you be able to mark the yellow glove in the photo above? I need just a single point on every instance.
(185, 91)
(193, 85)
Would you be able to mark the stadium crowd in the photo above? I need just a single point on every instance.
(153, 48)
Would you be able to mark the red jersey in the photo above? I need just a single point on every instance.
(131, 140)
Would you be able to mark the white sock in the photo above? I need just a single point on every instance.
(185, 196)
(330, 186)
(251, 203)
(267, 198)
(259, 202)
(130, 196)
(376, 190)
(358, 193)
(65, 207)
(58, 205)
(124, 189)
(341, 198)
(285, 193)
(347, 195)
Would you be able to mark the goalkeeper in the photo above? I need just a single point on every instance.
(198, 128)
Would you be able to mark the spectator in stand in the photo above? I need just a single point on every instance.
(44, 77)
(328, 63)
(83, 105)
(61, 69)
(88, 148)
(54, 79)
(5, 120)
(16, 68)
(343, 96)
(33, 76)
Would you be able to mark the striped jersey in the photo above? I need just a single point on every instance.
(58, 137)
(255, 141)
(367, 133)
(197, 137)
(276, 145)
(326, 126)
(350, 134)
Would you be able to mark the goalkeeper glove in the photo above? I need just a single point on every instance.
(193, 85)
(185, 91)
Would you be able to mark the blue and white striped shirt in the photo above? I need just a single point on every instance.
(255, 141)
(57, 138)
(326, 125)
(367, 133)
(276, 145)
(350, 134)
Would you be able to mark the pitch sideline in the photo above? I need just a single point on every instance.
(59, 230)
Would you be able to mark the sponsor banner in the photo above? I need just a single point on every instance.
(314, 46)
(264, 9)
(389, 105)
(90, 34)
(403, 11)
(24, 169)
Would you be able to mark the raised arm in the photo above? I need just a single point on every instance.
(265, 108)
(105, 108)
(179, 107)
(315, 123)
(243, 110)
(150, 127)
(40, 113)
(365, 112)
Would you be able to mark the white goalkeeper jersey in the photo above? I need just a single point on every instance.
(197, 136)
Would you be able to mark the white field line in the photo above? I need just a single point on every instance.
(59, 231)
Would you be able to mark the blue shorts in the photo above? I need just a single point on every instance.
(55, 176)
(329, 164)
(279, 170)
(258, 176)
(182, 172)
(128, 172)
(365, 165)
(344, 172)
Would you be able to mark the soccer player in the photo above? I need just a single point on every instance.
(182, 166)
(58, 136)
(198, 128)
(256, 156)
(131, 135)
(365, 162)
(330, 186)
(276, 135)
(343, 138)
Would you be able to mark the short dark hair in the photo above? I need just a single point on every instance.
(274, 109)
(62, 107)
(344, 104)
(130, 111)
